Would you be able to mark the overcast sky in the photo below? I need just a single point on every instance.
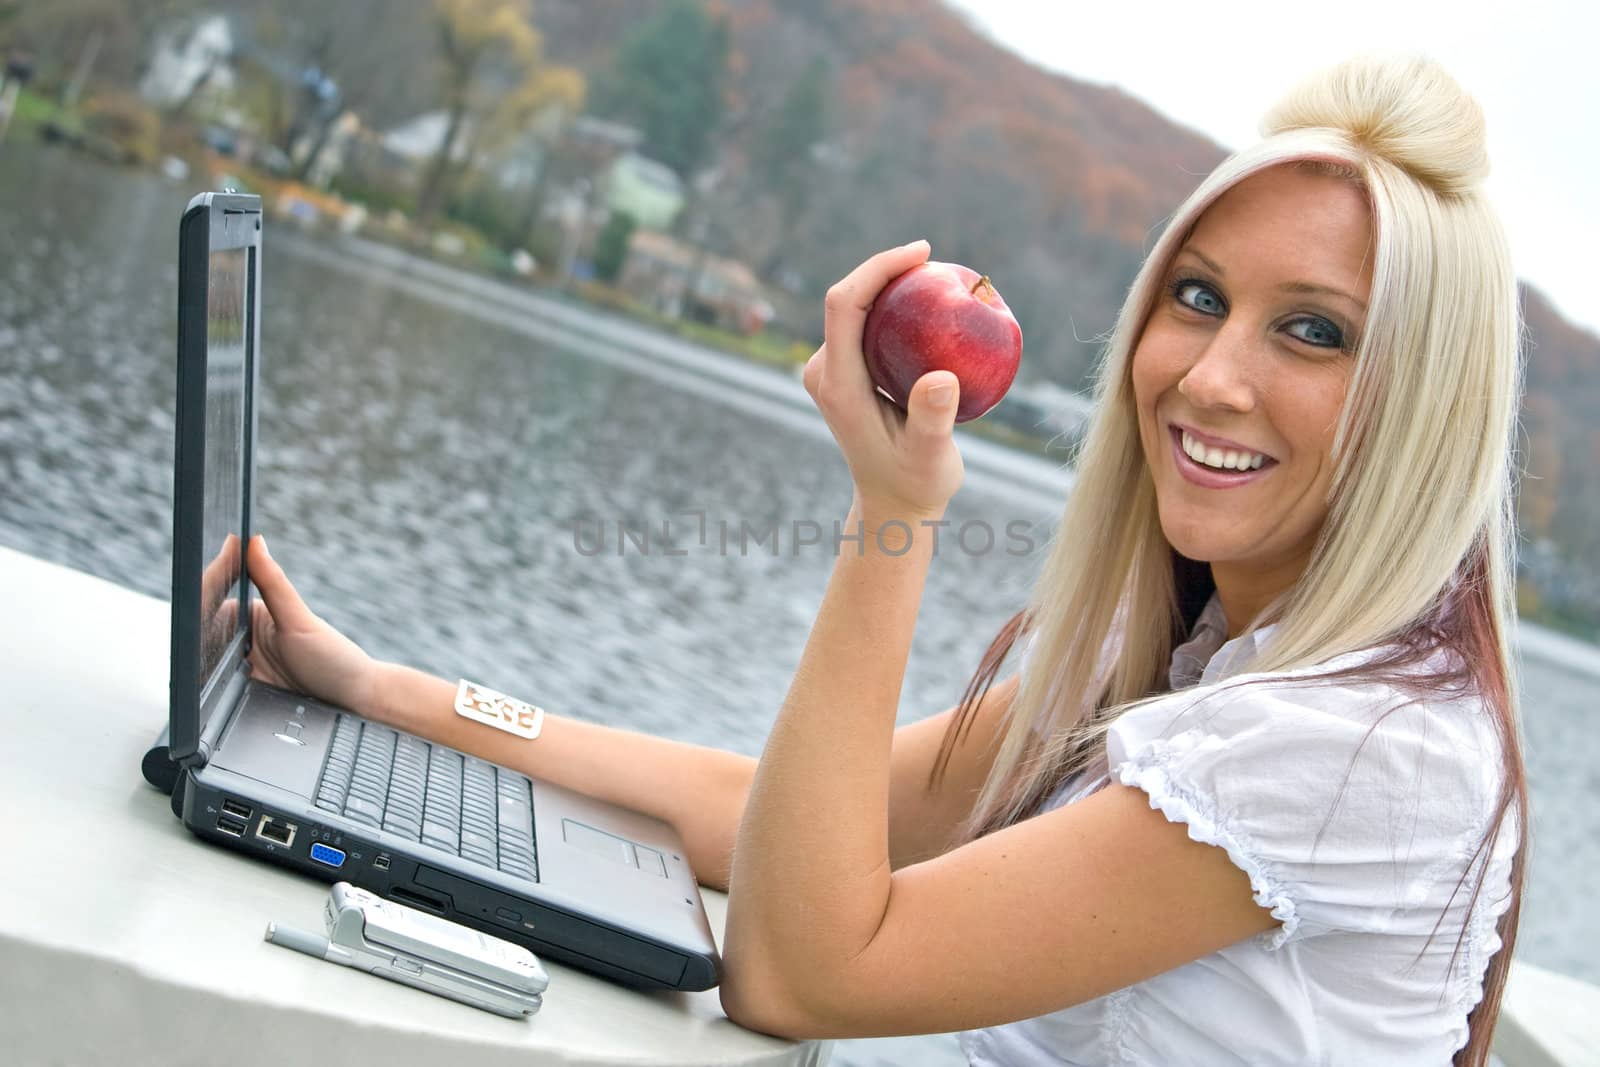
(1532, 65)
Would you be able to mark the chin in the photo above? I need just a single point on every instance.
(1199, 540)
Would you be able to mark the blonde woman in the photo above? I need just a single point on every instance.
(1256, 795)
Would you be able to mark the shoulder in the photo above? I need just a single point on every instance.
(1355, 794)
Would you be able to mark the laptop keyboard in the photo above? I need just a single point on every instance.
(381, 778)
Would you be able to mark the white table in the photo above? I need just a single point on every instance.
(125, 940)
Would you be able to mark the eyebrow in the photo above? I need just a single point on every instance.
(1288, 287)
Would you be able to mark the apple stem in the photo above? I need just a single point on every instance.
(982, 283)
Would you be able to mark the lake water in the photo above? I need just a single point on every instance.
(437, 463)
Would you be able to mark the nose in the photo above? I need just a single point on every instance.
(1220, 376)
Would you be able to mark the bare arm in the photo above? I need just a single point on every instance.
(922, 822)
(701, 791)
(826, 936)
(830, 934)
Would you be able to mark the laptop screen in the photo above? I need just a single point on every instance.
(219, 299)
(227, 328)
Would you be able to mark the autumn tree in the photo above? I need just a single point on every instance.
(493, 79)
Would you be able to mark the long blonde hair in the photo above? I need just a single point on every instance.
(1406, 562)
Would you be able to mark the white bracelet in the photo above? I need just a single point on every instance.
(482, 704)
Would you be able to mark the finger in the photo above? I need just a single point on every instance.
(228, 614)
(218, 575)
(847, 304)
(288, 610)
(931, 411)
(812, 374)
(260, 619)
(263, 632)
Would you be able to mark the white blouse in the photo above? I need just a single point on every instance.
(1347, 977)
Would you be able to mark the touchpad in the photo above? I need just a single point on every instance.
(612, 847)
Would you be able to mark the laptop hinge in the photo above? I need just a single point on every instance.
(228, 706)
(158, 766)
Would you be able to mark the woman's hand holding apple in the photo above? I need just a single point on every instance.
(904, 462)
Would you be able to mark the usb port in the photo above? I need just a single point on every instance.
(236, 809)
(327, 854)
(276, 830)
(382, 862)
(229, 825)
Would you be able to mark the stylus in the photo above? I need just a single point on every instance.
(311, 944)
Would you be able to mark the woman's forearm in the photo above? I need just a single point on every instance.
(811, 870)
(700, 791)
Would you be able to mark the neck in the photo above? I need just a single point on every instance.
(1245, 590)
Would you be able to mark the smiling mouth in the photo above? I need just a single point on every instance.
(1219, 458)
(1216, 468)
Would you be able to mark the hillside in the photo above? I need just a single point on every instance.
(1054, 187)
(1050, 185)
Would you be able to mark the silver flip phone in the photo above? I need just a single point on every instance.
(406, 945)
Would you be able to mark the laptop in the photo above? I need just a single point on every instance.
(315, 788)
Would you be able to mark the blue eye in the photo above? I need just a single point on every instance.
(1184, 283)
(1332, 337)
(1323, 334)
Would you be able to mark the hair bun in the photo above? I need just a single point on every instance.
(1406, 109)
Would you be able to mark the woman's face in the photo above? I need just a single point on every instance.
(1242, 370)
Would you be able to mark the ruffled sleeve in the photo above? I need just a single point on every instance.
(1334, 833)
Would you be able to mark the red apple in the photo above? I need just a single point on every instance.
(943, 316)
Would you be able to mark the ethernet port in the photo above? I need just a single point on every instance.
(276, 830)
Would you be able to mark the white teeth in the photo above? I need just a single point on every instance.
(1221, 459)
